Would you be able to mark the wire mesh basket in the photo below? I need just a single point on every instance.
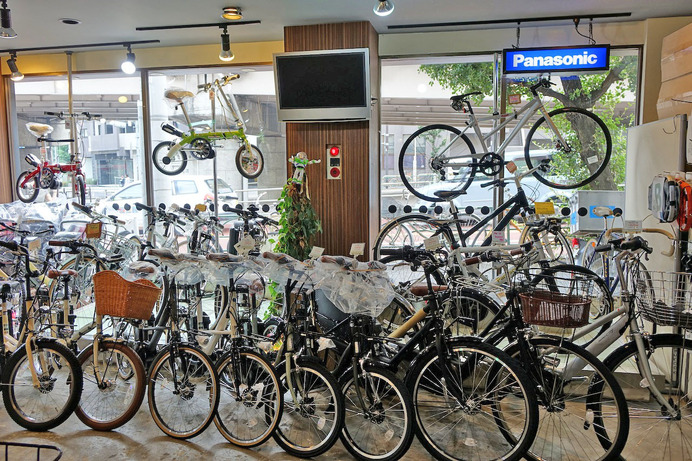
(113, 243)
(558, 298)
(23, 451)
(665, 298)
(118, 297)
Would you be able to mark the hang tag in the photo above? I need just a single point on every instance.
(511, 167)
(634, 226)
(388, 435)
(321, 423)
(325, 343)
(245, 245)
(201, 207)
(593, 159)
(357, 249)
(499, 237)
(34, 245)
(316, 252)
(93, 230)
(432, 243)
(514, 99)
(544, 208)
(502, 296)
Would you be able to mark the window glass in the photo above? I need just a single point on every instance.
(109, 144)
(184, 186)
(131, 192)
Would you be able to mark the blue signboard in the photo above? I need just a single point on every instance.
(556, 59)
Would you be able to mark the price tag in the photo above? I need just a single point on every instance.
(93, 230)
(544, 208)
(514, 99)
(432, 243)
(316, 252)
(634, 226)
(511, 167)
(245, 245)
(34, 245)
(201, 207)
(502, 296)
(357, 249)
(499, 237)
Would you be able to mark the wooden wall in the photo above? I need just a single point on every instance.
(6, 179)
(348, 207)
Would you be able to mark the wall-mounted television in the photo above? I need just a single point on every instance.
(331, 85)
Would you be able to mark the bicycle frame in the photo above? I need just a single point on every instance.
(526, 112)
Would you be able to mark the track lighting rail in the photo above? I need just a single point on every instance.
(86, 45)
(220, 25)
(510, 21)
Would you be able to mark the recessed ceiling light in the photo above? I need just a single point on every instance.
(70, 21)
(232, 13)
(122, 99)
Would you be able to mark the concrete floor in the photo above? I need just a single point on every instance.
(140, 439)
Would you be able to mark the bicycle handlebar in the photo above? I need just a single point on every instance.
(11, 245)
(61, 115)
(141, 206)
(633, 244)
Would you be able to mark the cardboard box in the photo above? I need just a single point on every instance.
(676, 65)
(679, 40)
(675, 97)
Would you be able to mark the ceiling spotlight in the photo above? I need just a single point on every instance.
(226, 53)
(232, 13)
(128, 65)
(70, 21)
(383, 8)
(6, 30)
(12, 64)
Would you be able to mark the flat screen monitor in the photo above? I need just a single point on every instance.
(313, 86)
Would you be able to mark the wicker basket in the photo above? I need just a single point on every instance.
(118, 297)
(547, 308)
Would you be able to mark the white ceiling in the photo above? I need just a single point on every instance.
(37, 22)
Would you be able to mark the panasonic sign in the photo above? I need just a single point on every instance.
(558, 59)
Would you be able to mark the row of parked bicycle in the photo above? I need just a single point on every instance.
(482, 369)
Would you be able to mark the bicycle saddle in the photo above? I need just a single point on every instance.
(448, 194)
(225, 258)
(464, 97)
(54, 273)
(177, 95)
(422, 290)
(142, 267)
(39, 129)
(602, 211)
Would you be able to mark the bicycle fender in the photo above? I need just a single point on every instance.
(174, 149)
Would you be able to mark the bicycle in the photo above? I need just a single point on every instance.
(251, 224)
(45, 174)
(554, 136)
(170, 158)
(41, 379)
(576, 392)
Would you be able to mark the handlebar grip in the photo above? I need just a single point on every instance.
(603, 248)
(141, 206)
(272, 222)
(57, 114)
(62, 243)
(392, 252)
(82, 208)
(12, 246)
(636, 243)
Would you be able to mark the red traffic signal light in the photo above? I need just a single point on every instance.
(334, 151)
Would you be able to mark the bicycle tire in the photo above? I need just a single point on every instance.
(250, 165)
(400, 401)
(649, 425)
(426, 388)
(80, 189)
(98, 407)
(269, 406)
(62, 361)
(602, 302)
(604, 443)
(158, 382)
(294, 442)
(412, 230)
(583, 167)
(21, 195)
(422, 137)
(176, 166)
(564, 249)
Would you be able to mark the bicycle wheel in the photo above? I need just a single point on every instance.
(555, 247)
(383, 430)
(437, 157)
(86, 267)
(311, 423)
(411, 230)
(29, 191)
(576, 164)
(80, 190)
(250, 164)
(583, 412)
(601, 299)
(468, 304)
(168, 166)
(463, 417)
(114, 398)
(48, 404)
(183, 391)
(251, 401)
(655, 434)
